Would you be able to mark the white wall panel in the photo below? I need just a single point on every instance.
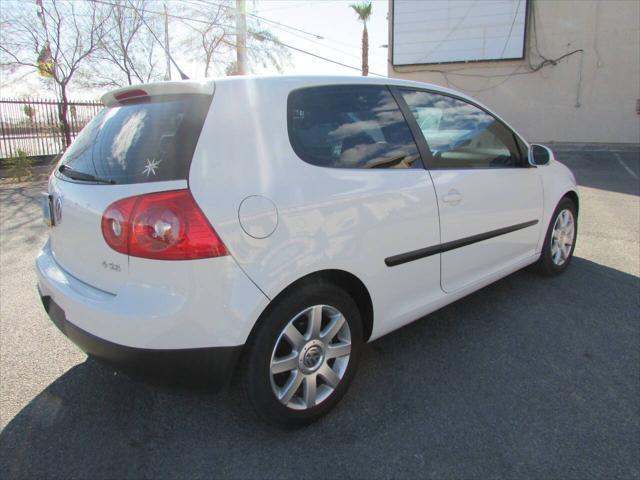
(440, 31)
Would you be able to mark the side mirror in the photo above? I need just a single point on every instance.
(539, 155)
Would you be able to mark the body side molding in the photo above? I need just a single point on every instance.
(445, 247)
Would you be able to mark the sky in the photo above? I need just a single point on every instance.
(337, 23)
(333, 21)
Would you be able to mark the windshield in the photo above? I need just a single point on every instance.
(146, 141)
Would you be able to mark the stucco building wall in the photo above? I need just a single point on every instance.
(589, 96)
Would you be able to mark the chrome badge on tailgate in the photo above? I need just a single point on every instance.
(51, 208)
(47, 210)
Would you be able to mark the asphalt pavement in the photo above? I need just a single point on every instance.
(531, 377)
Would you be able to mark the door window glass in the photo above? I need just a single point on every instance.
(350, 126)
(461, 135)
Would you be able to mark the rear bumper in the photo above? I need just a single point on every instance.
(182, 321)
(160, 305)
(212, 366)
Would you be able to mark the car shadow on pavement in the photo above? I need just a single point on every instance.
(529, 377)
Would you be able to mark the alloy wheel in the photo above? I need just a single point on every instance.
(562, 237)
(310, 357)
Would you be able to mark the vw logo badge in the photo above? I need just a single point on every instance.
(57, 209)
(312, 356)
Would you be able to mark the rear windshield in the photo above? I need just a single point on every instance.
(148, 141)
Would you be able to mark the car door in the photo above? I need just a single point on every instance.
(489, 197)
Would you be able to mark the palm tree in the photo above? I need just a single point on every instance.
(363, 10)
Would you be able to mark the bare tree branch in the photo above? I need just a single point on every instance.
(126, 53)
(68, 30)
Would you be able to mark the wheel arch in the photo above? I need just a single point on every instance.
(569, 194)
(343, 279)
(573, 196)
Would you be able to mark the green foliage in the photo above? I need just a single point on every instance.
(21, 166)
(45, 62)
(29, 111)
(266, 49)
(231, 68)
(363, 10)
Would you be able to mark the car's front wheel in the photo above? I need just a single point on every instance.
(304, 354)
(560, 240)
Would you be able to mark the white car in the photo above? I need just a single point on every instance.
(276, 224)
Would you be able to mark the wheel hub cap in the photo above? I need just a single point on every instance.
(311, 357)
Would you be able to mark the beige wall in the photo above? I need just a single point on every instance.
(542, 105)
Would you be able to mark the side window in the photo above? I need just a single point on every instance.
(350, 126)
(461, 135)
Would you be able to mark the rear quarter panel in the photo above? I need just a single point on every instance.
(327, 218)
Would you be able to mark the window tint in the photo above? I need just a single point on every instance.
(461, 135)
(141, 142)
(350, 126)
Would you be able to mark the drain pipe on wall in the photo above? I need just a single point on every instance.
(579, 85)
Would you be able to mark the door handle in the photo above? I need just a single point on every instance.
(453, 197)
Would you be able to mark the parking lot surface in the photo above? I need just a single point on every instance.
(530, 377)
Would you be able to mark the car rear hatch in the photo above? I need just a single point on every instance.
(141, 142)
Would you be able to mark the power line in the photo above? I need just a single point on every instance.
(165, 45)
(283, 26)
(531, 68)
(286, 28)
(286, 7)
(323, 45)
(321, 57)
(319, 37)
(258, 36)
(534, 69)
(348, 54)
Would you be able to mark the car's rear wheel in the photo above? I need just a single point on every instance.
(560, 240)
(304, 354)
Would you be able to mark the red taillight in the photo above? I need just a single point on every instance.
(115, 224)
(163, 226)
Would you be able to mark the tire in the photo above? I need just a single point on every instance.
(551, 261)
(271, 349)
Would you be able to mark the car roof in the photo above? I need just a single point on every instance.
(207, 86)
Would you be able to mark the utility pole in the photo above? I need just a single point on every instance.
(165, 44)
(241, 37)
(167, 75)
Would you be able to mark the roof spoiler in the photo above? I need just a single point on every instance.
(138, 92)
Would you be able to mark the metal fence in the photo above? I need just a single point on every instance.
(33, 125)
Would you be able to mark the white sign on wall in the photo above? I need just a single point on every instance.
(444, 31)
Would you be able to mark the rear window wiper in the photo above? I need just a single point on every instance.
(78, 175)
